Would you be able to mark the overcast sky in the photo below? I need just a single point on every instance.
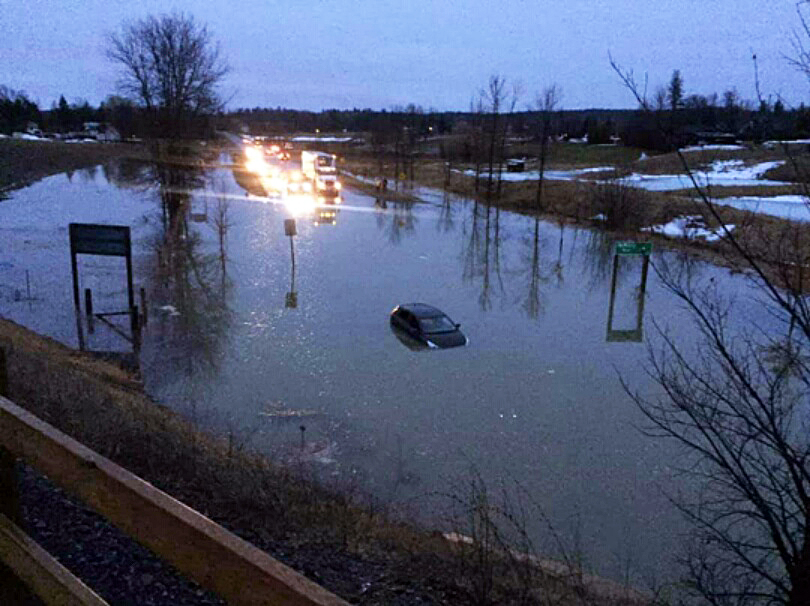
(379, 53)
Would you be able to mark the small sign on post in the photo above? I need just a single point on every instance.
(289, 227)
(633, 248)
(106, 240)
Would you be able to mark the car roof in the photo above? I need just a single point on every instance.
(422, 310)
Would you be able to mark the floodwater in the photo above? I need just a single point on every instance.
(240, 343)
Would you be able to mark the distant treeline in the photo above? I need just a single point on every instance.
(18, 112)
(691, 119)
(699, 118)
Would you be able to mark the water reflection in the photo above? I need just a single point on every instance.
(88, 175)
(533, 303)
(482, 253)
(554, 417)
(325, 215)
(446, 220)
(190, 280)
(397, 219)
(635, 334)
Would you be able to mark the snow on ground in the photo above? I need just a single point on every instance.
(713, 147)
(689, 227)
(27, 137)
(534, 175)
(772, 144)
(304, 139)
(737, 169)
(721, 172)
(793, 207)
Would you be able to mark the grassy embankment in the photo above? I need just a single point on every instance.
(23, 162)
(357, 550)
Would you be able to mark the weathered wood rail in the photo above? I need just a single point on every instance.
(198, 547)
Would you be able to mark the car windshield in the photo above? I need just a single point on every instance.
(436, 324)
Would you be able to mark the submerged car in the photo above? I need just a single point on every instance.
(422, 326)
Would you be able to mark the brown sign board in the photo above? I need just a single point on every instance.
(107, 240)
(91, 239)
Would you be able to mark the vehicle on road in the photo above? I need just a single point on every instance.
(422, 326)
(321, 169)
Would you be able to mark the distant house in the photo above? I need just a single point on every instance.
(101, 131)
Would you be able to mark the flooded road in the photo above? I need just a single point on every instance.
(239, 343)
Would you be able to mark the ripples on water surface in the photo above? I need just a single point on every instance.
(534, 398)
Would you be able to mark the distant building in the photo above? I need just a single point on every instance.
(101, 131)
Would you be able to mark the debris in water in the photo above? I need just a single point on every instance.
(170, 309)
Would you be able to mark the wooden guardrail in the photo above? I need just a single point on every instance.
(36, 568)
(214, 557)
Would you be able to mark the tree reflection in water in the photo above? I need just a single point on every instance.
(534, 304)
(482, 252)
(402, 220)
(598, 259)
(446, 221)
(190, 274)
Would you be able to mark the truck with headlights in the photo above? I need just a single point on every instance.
(321, 170)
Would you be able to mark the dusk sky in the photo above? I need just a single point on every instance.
(381, 53)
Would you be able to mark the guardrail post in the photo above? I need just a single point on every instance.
(9, 491)
(88, 308)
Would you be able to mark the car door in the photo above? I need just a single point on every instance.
(412, 325)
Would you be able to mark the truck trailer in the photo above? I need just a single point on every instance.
(321, 169)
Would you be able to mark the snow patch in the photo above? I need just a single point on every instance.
(713, 147)
(304, 139)
(689, 227)
(721, 172)
(27, 137)
(794, 207)
(772, 144)
(534, 175)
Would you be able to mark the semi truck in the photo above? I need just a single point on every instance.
(321, 169)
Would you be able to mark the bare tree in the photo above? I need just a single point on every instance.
(738, 401)
(171, 65)
(516, 94)
(547, 103)
(493, 98)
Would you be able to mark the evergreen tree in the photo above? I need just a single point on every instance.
(675, 91)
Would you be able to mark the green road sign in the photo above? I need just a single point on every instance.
(633, 248)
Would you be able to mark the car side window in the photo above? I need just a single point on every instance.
(406, 318)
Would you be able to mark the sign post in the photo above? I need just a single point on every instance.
(634, 248)
(104, 240)
(629, 249)
(291, 300)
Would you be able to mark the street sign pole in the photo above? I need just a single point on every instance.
(105, 240)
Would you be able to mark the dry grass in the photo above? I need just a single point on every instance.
(577, 155)
(23, 162)
(670, 164)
